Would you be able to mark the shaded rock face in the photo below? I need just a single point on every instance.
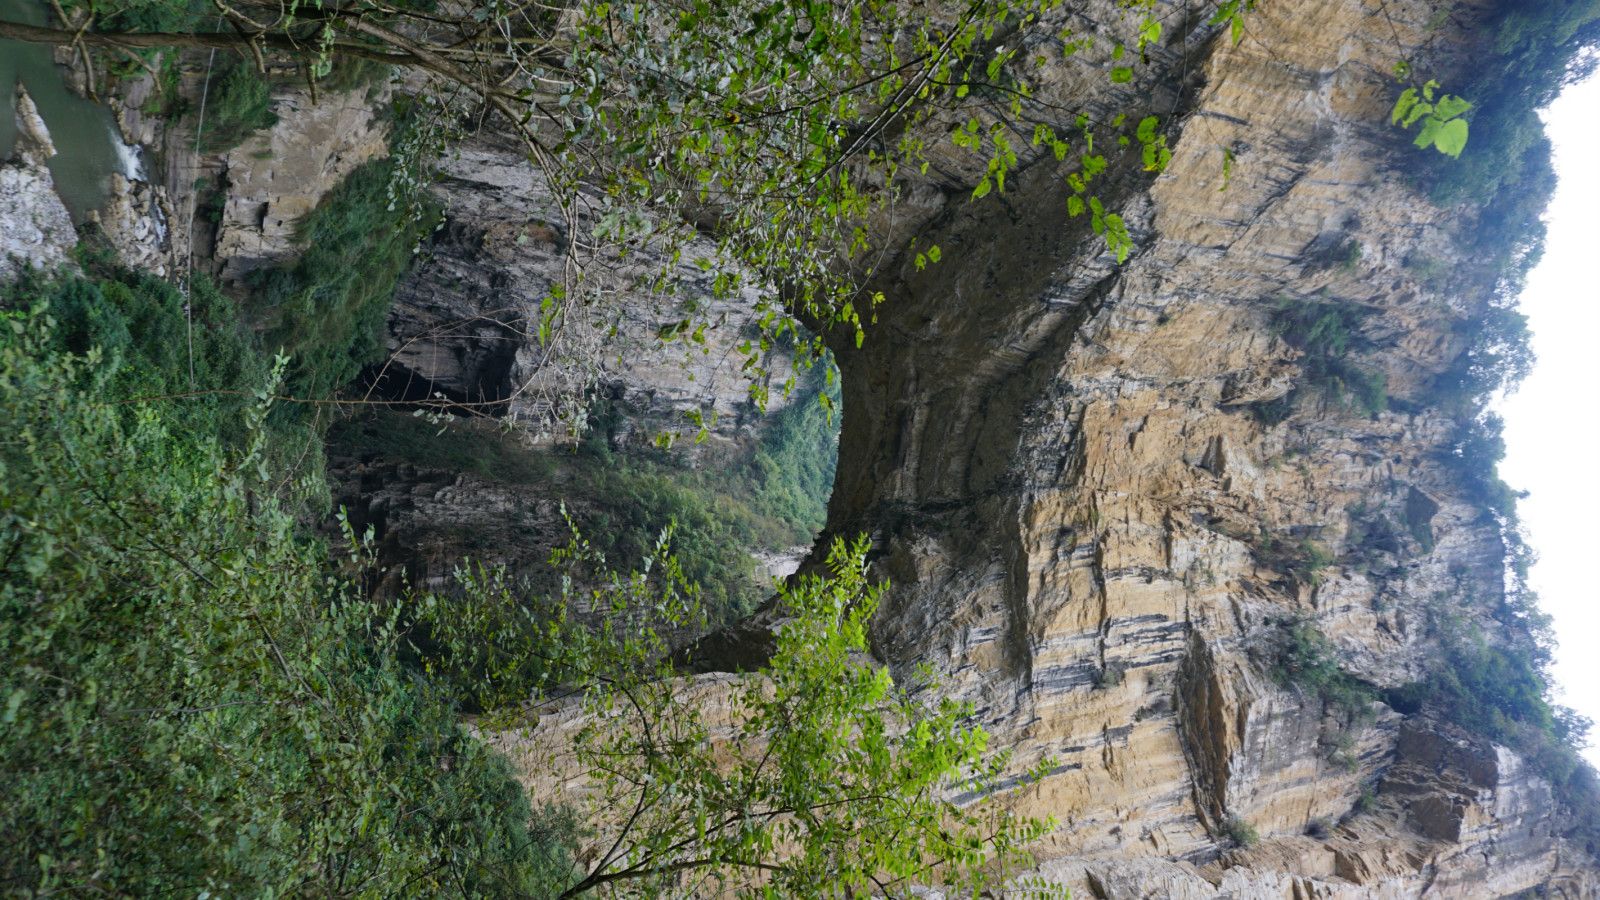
(465, 321)
(1085, 525)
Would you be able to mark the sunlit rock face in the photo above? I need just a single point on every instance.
(1094, 535)
(35, 228)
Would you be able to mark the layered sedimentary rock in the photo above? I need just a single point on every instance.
(1083, 521)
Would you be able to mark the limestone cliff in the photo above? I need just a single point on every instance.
(1084, 522)
(1104, 493)
(37, 231)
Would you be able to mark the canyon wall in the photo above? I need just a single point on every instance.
(1104, 493)
(1068, 475)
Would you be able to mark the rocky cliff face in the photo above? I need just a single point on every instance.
(1102, 492)
(35, 229)
(1084, 522)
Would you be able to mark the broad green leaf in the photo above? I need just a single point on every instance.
(1451, 137)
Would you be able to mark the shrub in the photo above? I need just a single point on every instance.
(863, 774)
(327, 310)
(1241, 832)
(1367, 801)
(1327, 333)
(238, 104)
(1305, 657)
(157, 341)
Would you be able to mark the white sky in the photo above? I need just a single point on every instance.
(1553, 421)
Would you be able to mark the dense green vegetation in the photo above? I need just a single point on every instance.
(1326, 332)
(238, 104)
(1304, 656)
(199, 699)
(159, 342)
(194, 701)
(1534, 49)
(327, 309)
(816, 777)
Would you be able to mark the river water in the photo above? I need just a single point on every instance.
(88, 149)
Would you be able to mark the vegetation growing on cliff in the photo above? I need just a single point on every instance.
(816, 776)
(193, 702)
(770, 496)
(785, 123)
(1327, 334)
(197, 701)
(240, 105)
(327, 309)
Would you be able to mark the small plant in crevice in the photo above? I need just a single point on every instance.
(1341, 751)
(1327, 332)
(1304, 657)
(1366, 802)
(1303, 561)
(1110, 675)
(1241, 832)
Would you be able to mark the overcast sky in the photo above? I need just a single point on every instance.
(1553, 420)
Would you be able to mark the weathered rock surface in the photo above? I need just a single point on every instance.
(465, 321)
(1084, 524)
(136, 223)
(35, 229)
(277, 176)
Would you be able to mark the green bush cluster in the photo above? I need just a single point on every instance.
(157, 341)
(194, 702)
(1505, 171)
(1305, 657)
(1326, 333)
(327, 309)
(1241, 832)
(238, 104)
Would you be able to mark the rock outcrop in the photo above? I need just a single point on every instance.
(35, 229)
(465, 321)
(1096, 541)
(277, 176)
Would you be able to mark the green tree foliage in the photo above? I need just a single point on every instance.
(156, 341)
(1534, 49)
(829, 779)
(782, 124)
(193, 703)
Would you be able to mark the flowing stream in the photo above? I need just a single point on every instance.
(88, 148)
